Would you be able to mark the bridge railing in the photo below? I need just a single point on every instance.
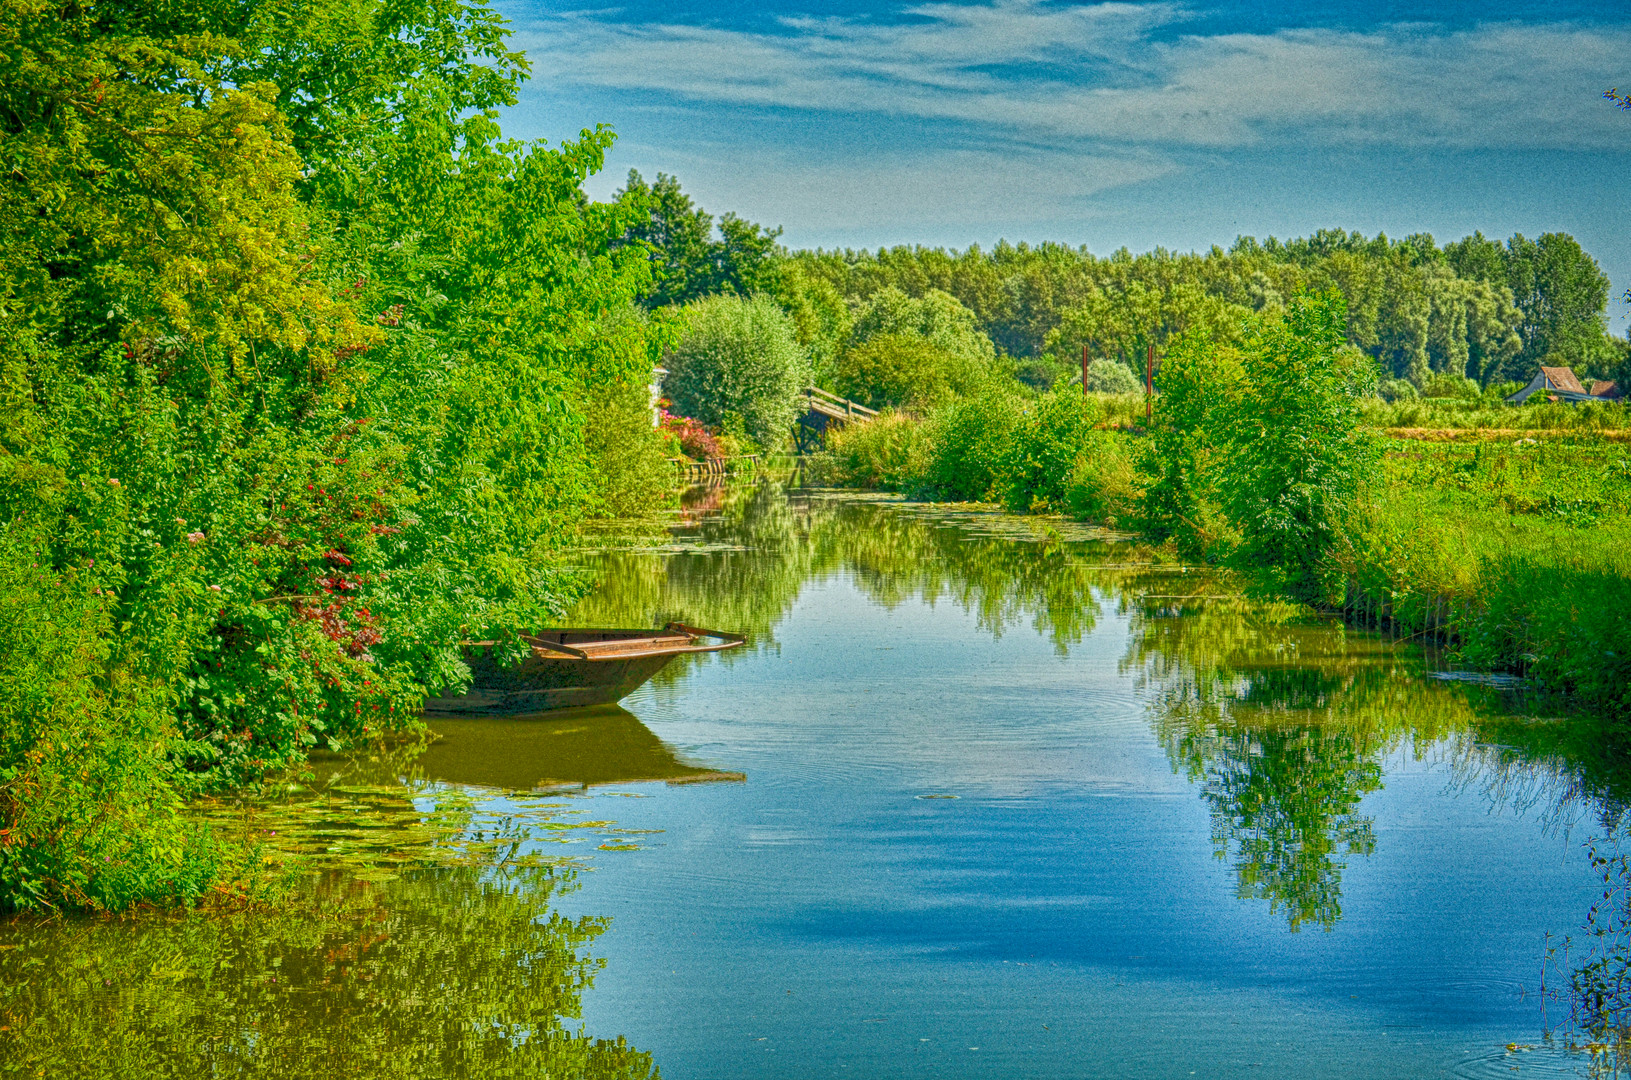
(830, 404)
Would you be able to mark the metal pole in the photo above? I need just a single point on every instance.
(1149, 384)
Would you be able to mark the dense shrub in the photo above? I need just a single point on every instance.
(296, 372)
(1046, 445)
(88, 794)
(631, 465)
(969, 445)
(1294, 454)
(740, 356)
(889, 454)
(1112, 377)
(690, 437)
(964, 360)
(1443, 384)
(892, 370)
(1186, 447)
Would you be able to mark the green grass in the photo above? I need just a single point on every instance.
(1515, 553)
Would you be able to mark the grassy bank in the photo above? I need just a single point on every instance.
(1513, 549)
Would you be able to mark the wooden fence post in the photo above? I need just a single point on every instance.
(1149, 385)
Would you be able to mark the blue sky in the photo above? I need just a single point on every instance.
(1105, 124)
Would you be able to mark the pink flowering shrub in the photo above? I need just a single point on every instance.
(695, 440)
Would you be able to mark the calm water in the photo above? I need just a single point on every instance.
(985, 797)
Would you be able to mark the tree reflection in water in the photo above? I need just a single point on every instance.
(1282, 719)
(448, 972)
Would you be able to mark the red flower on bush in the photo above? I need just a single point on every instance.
(696, 441)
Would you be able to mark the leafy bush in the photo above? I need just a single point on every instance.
(1112, 377)
(89, 810)
(1187, 444)
(632, 469)
(1041, 373)
(1044, 450)
(965, 357)
(892, 370)
(1106, 485)
(888, 453)
(969, 447)
(694, 440)
(1392, 390)
(1295, 456)
(740, 356)
(293, 475)
(1443, 384)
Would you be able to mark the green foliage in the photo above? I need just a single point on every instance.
(1445, 385)
(1111, 377)
(297, 362)
(1045, 450)
(965, 358)
(897, 369)
(1558, 289)
(1294, 455)
(1416, 309)
(688, 263)
(630, 460)
(1392, 390)
(1515, 551)
(739, 356)
(89, 814)
(970, 444)
(1123, 324)
(886, 454)
(1188, 444)
(820, 316)
(1032, 454)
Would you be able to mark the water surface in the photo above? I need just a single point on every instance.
(984, 797)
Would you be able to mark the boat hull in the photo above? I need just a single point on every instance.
(568, 669)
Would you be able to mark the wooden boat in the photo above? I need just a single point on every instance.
(569, 668)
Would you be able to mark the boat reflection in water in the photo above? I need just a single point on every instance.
(557, 750)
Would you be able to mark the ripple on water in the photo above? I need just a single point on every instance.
(1525, 1061)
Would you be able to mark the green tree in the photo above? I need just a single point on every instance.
(299, 425)
(1110, 377)
(738, 356)
(1561, 293)
(1296, 456)
(936, 319)
(688, 262)
(1188, 441)
(820, 315)
(1124, 324)
(897, 369)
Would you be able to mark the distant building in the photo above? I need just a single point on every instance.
(656, 390)
(1560, 384)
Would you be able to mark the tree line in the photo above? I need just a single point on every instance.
(1475, 309)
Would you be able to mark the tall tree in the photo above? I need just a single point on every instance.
(688, 262)
(1561, 293)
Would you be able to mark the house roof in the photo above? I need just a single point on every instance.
(1605, 389)
(1561, 378)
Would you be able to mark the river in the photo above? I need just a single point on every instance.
(984, 796)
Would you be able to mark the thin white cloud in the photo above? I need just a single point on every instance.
(1117, 72)
(815, 196)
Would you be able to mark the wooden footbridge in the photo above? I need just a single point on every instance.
(824, 411)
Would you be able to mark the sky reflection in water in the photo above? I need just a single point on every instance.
(984, 797)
